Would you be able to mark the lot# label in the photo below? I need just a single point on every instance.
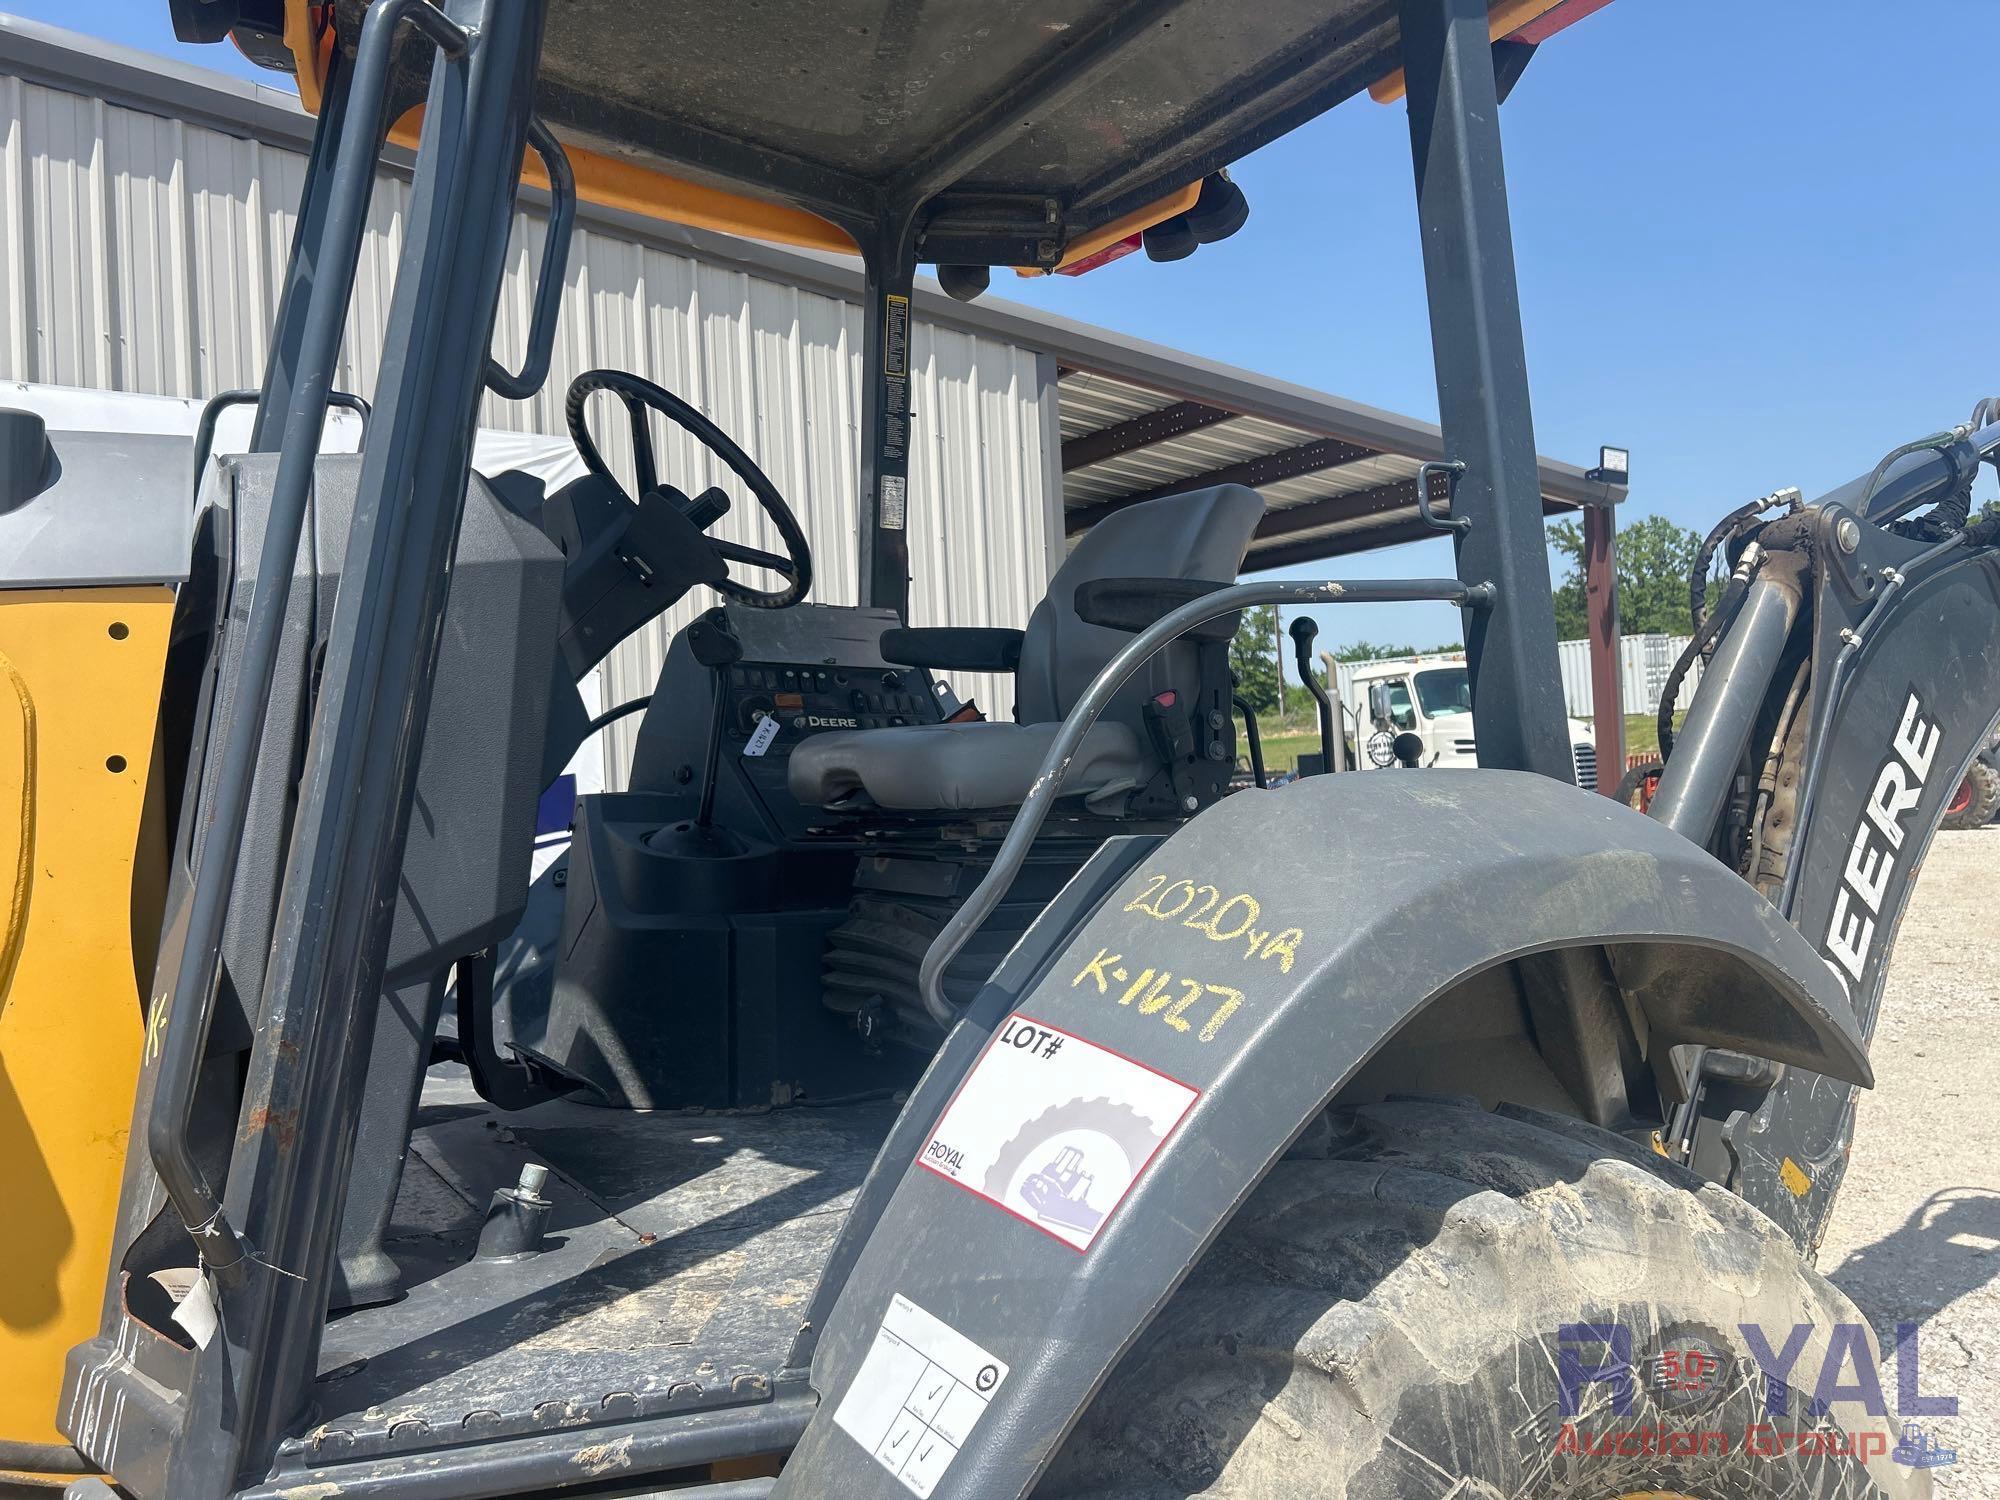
(1054, 1129)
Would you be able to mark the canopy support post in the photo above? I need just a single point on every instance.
(1482, 379)
(889, 257)
(302, 267)
(1607, 677)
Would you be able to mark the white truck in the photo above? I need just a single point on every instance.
(1430, 697)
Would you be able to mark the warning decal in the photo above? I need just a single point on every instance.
(1054, 1129)
(918, 1395)
(895, 335)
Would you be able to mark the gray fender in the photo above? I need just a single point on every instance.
(1392, 887)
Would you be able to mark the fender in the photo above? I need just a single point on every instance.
(1296, 938)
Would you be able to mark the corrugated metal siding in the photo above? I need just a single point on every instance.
(1092, 402)
(1645, 662)
(144, 254)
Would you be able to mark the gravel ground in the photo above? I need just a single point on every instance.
(1916, 1231)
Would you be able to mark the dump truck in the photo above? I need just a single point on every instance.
(871, 1104)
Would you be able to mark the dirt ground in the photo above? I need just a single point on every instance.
(1916, 1231)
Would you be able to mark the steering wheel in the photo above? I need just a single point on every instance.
(639, 396)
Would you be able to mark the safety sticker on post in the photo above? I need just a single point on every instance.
(894, 490)
(1054, 1129)
(895, 335)
(918, 1395)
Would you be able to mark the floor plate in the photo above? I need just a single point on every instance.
(682, 1249)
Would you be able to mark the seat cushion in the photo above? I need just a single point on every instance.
(960, 767)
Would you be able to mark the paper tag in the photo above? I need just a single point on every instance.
(918, 1395)
(196, 1313)
(894, 489)
(1054, 1129)
(762, 735)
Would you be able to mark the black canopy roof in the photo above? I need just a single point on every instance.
(1022, 124)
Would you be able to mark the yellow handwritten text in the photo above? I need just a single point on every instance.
(1156, 992)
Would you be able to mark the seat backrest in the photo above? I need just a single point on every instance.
(1202, 534)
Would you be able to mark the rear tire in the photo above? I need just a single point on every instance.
(1973, 805)
(1383, 1324)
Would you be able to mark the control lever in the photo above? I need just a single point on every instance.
(1253, 739)
(714, 644)
(1304, 630)
(1173, 738)
(710, 506)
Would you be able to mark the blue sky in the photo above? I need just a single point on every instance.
(1757, 245)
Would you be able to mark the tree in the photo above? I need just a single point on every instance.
(1654, 556)
(1251, 658)
(1370, 651)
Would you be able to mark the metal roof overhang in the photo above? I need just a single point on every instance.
(1337, 477)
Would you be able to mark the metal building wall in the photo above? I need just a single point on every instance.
(1646, 662)
(140, 253)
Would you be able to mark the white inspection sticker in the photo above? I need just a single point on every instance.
(1054, 1129)
(918, 1395)
(762, 735)
(894, 489)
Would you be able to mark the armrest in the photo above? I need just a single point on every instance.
(1131, 604)
(954, 648)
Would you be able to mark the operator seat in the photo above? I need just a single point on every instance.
(939, 768)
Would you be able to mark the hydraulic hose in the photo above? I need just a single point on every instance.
(611, 716)
(1705, 633)
(1917, 474)
(1724, 532)
(1635, 778)
(1951, 505)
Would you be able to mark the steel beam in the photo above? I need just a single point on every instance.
(1332, 510)
(1139, 432)
(1325, 548)
(1482, 378)
(302, 268)
(1607, 679)
(1269, 468)
(1387, 532)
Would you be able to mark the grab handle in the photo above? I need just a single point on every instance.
(555, 258)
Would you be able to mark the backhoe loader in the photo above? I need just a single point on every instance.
(875, 1100)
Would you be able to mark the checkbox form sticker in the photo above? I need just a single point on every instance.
(918, 1395)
